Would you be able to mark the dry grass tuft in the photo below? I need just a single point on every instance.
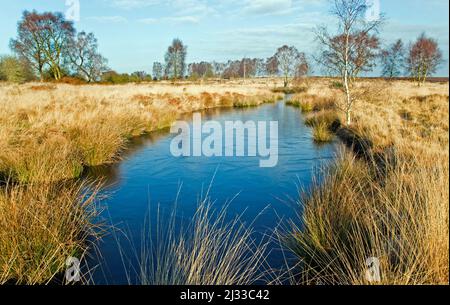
(322, 133)
(400, 218)
(41, 225)
(210, 251)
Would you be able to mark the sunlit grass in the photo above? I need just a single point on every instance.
(389, 202)
(41, 225)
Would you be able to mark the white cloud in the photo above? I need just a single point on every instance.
(148, 20)
(192, 7)
(133, 4)
(267, 7)
(182, 19)
(171, 20)
(108, 19)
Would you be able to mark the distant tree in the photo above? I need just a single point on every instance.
(110, 76)
(85, 58)
(287, 58)
(353, 50)
(218, 68)
(117, 78)
(247, 68)
(140, 76)
(202, 69)
(14, 69)
(393, 59)
(260, 67)
(157, 70)
(176, 60)
(303, 66)
(232, 69)
(29, 44)
(424, 58)
(272, 66)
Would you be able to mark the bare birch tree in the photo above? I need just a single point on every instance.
(287, 58)
(352, 50)
(176, 60)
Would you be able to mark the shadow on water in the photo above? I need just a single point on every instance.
(150, 178)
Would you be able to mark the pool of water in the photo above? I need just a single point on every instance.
(149, 177)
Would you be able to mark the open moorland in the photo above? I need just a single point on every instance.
(386, 195)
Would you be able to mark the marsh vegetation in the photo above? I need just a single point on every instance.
(63, 111)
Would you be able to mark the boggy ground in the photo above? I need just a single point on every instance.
(387, 196)
(50, 132)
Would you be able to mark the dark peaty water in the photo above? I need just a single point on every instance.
(149, 176)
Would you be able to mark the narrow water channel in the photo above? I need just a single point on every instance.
(150, 177)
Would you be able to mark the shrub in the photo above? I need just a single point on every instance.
(336, 85)
(14, 70)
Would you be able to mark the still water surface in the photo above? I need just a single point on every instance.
(150, 177)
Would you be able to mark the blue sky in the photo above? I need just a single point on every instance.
(133, 34)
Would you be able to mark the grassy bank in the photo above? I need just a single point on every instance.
(50, 132)
(387, 197)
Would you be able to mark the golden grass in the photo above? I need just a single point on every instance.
(41, 225)
(322, 133)
(312, 102)
(209, 251)
(75, 126)
(50, 132)
(392, 204)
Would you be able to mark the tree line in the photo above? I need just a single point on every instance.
(287, 62)
(47, 46)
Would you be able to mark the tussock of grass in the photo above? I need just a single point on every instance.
(242, 101)
(400, 218)
(290, 90)
(325, 117)
(322, 133)
(312, 103)
(45, 158)
(210, 251)
(41, 225)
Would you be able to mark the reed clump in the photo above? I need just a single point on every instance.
(312, 103)
(322, 133)
(210, 250)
